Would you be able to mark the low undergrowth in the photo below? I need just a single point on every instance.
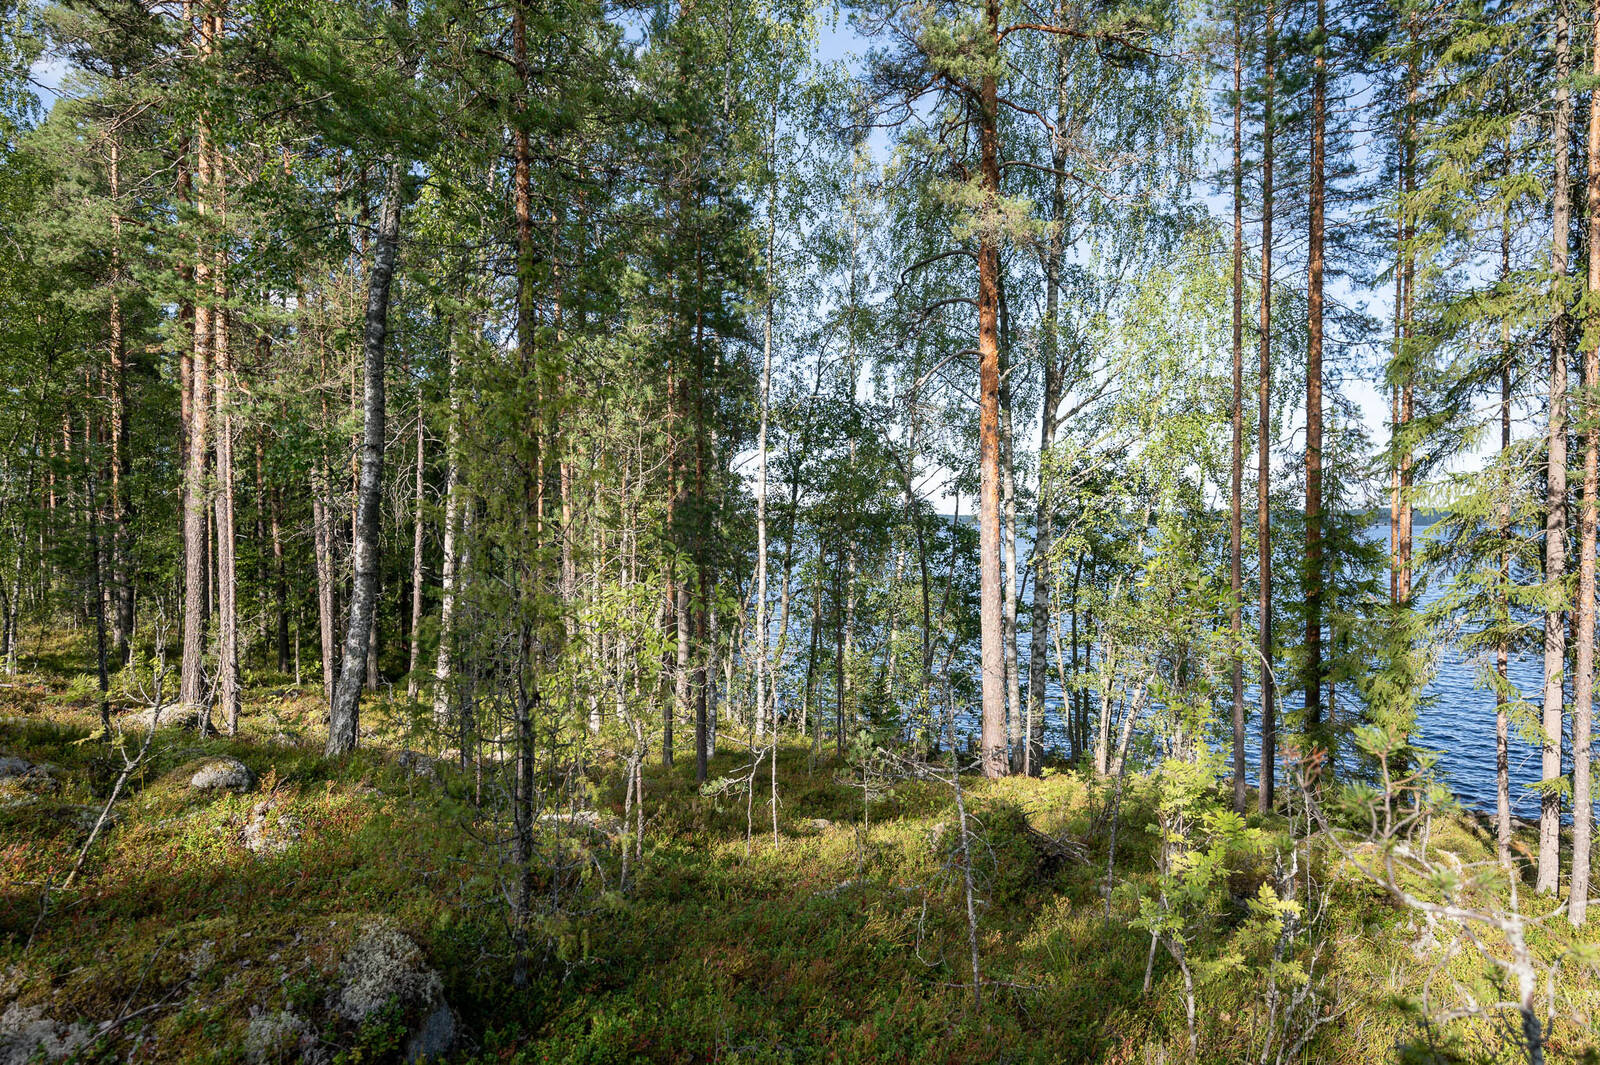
(847, 941)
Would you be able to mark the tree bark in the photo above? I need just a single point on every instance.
(1313, 563)
(448, 576)
(415, 657)
(1502, 651)
(1555, 528)
(280, 580)
(1269, 716)
(196, 527)
(1054, 254)
(1236, 495)
(122, 516)
(1583, 683)
(762, 662)
(343, 725)
(227, 561)
(993, 739)
(1016, 726)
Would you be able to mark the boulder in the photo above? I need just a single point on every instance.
(385, 965)
(21, 781)
(172, 716)
(434, 1037)
(27, 1035)
(223, 774)
(267, 832)
(418, 763)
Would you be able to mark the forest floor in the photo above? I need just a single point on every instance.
(225, 925)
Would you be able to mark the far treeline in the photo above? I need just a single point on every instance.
(595, 377)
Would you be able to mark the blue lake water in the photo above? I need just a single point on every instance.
(1457, 719)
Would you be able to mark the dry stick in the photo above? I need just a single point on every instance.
(966, 866)
(105, 812)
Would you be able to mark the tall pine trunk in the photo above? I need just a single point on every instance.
(1313, 562)
(228, 682)
(991, 592)
(1236, 497)
(1269, 715)
(1583, 683)
(196, 526)
(121, 453)
(1555, 527)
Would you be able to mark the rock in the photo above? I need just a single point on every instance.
(586, 820)
(84, 818)
(171, 717)
(821, 824)
(384, 965)
(419, 764)
(281, 1037)
(435, 1037)
(21, 781)
(27, 1035)
(223, 774)
(269, 834)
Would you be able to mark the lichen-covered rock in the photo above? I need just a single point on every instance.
(419, 764)
(385, 965)
(27, 1035)
(22, 782)
(172, 716)
(281, 1037)
(269, 832)
(223, 774)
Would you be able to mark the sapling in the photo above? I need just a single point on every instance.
(1383, 834)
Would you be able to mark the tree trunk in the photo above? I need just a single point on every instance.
(416, 564)
(280, 581)
(1269, 716)
(762, 662)
(1502, 651)
(991, 591)
(1313, 564)
(121, 455)
(448, 576)
(196, 526)
(811, 658)
(1043, 528)
(227, 567)
(1583, 683)
(1555, 528)
(1016, 727)
(97, 587)
(343, 726)
(1236, 495)
(680, 673)
(838, 650)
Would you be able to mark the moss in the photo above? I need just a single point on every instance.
(846, 944)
